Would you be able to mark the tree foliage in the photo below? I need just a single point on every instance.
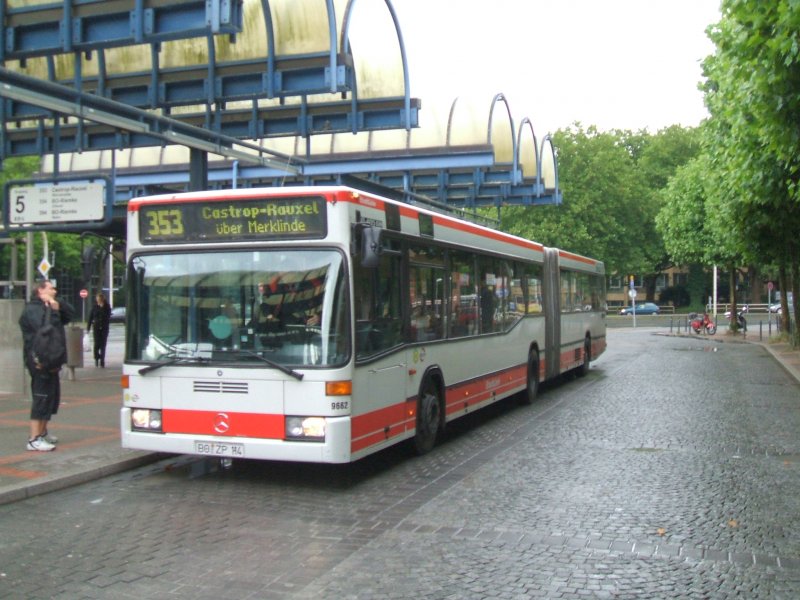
(753, 95)
(64, 248)
(610, 182)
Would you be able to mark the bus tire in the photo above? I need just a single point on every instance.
(532, 378)
(583, 370)
(429, 416)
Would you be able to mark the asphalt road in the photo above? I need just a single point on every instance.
(671, 471)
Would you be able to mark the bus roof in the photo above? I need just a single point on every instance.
(367, 199)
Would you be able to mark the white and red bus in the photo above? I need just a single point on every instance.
(323, 324)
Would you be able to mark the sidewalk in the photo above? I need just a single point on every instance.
(781, 351)
(87, 426)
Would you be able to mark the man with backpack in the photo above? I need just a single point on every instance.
(45, 350)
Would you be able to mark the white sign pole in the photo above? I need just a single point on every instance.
(44, 266)
(110, 273)
(715, 293)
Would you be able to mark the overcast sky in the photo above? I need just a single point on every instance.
(627, 64)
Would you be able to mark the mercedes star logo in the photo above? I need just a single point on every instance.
(222, 423)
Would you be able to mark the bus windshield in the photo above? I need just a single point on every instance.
(281, 306)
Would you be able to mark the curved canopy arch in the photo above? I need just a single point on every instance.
(527, 150)
(383, 71)
(501, 134)
(549, 164)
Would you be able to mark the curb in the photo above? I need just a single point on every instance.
(27, 490)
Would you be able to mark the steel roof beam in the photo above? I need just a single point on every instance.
(187, 86)
(430, 172)
(278, 121)
(87, 25)
(141, 126)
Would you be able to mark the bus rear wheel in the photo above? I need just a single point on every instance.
(532, 381)
(429, 417)
(583, 370)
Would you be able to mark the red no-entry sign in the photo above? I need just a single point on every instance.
(84, 293)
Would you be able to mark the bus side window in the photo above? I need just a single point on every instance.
(377, 306)
(464, 304)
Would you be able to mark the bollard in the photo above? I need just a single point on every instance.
(74, 335)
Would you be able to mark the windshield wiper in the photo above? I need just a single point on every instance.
(271, 363)
(172, 361)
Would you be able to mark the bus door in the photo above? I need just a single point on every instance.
(552, 309)
(381, 366)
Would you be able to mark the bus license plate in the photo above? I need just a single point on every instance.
(219, 449)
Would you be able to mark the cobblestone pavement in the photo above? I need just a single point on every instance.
(671, 471)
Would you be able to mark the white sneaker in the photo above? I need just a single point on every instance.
(49, 438)
(40, 445)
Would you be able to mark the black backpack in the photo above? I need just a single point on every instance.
(49, 346)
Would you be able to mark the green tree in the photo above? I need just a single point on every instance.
(690, 223)
(64, 247)
(603, 214)
(611, 182)
(657, 158)
(753, 95)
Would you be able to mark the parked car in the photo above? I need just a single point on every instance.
(776, 308)
(644, 308)
(117, 314)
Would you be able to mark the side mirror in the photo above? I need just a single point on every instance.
(371, 247)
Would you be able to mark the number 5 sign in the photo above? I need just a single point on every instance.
(73, 204)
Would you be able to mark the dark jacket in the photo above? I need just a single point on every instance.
(100, 317)
(32, 319)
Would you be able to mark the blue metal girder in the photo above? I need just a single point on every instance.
(334, 117)
(137, 183)
(331, 167)
(436, 173)
(466, 201)
(234, 81)
(86, 25)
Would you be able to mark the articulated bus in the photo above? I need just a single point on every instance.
(322, 324)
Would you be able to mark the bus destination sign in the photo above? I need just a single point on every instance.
(233, 221)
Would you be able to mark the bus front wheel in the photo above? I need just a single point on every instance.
(429, 417)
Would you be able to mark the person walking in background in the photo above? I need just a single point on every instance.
(100, 318)
(45, 383)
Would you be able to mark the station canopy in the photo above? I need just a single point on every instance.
(274, 93)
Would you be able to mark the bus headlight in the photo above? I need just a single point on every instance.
(305, 428)
(146, 419)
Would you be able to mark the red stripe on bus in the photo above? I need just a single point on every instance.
(380, 425)
(223, 423)
(476, 391)
(377, 426)
(377, 437)
(487, 233)
(577, 257)
(367, 423)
